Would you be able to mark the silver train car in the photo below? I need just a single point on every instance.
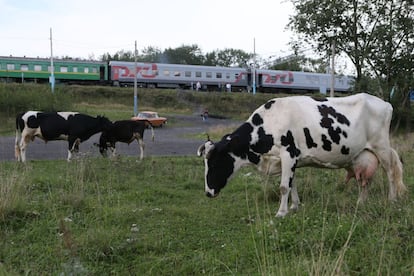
(214, 78)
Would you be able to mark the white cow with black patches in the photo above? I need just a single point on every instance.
(293, 132)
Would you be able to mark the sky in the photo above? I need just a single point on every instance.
(90, 28)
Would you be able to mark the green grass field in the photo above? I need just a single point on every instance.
(100, 217)
(151, 217)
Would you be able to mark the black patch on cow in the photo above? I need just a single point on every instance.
(289, 142)
(329, 115)
(290, 182)
(238, 142)
(329, 110)
(344, 150)
(327, 145)
(257, 120)
(33, 121)
(253, 157)
(334, 133)
(309, 140)
(265, 142)
(269, 104)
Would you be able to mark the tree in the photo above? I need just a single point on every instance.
(354, 26)
(228, 58)
(183, 55)
(298, 63)
(150, 54)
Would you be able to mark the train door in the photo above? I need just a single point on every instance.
(102, 73)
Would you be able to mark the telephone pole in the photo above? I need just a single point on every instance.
(52, 69)
(135, 81)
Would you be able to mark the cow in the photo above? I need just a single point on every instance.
(125, 131)
(73, 127)
(299, 131)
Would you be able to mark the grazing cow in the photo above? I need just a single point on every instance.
(125, 131)
(293, 132)
(48, 126)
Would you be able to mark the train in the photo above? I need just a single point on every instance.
(162, 75)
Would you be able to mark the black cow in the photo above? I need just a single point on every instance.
(48, 126)
(125, 131)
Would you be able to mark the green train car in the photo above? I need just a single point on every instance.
(38, 70)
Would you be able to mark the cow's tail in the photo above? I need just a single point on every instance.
(397, 171)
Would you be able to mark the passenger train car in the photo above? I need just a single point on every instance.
(211, 78)
(22, 69)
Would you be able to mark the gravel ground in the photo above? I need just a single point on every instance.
(169, 141)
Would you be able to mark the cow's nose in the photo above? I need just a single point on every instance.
(208, 194)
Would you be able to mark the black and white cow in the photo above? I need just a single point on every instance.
(125, 131)
(293, 132)
(70, 126)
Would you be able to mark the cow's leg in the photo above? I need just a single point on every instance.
(113, 150)
(73, 147)
(288, 169)
(17, 153)
(24, 141)
(393, 167)
(141, 148)
(294, 197)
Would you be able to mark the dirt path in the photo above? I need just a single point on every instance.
(169, 141)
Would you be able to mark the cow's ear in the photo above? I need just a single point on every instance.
(201, 149)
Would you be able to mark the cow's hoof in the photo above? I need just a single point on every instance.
(281, 214)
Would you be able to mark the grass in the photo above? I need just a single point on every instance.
(150, 217)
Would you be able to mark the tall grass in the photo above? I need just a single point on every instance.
(96, 216)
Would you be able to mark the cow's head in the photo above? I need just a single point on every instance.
(220, 163)
(104, 123)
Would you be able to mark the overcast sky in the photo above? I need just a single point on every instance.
(82, 28)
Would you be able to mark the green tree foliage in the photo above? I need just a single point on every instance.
(372, 33)
(299, 63)
(228, 58)
(185, 54)
(150, 54)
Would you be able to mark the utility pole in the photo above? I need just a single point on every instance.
(52, 68)
(254, 66)
(135, 81)
(333, 68)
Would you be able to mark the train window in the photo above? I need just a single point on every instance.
(24, 67)
(218, 75)
(86, 70)
(75, 69)
(10, 66)
(227, 75)
(188, 74)
(37, 67)
(177, 74)
(94, 70)
(208, 75)
(198, 74)
(63, 69)
(166, 73)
